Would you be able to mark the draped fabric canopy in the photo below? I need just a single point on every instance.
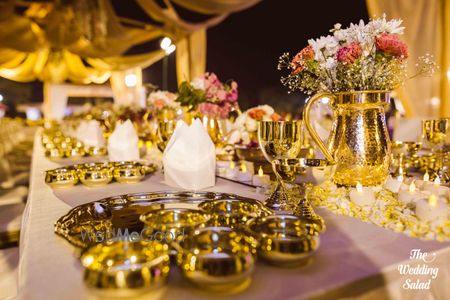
(427, 30)
(84, 41)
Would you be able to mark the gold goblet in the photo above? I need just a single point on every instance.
(280, 140)
(436, 134)
(165, 131)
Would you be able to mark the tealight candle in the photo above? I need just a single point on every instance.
(362, 195)
(437, 188)
(432, 209)
(231, 172)
(244, 175)
(423, 183)
(409, 195)
(394, 185)
(250, 166)
(260, 179)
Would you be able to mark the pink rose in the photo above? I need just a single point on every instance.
(299, 60)
(391, 45)
(159, 104)
(349, 53)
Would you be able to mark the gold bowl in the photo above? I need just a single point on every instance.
(172, 224)
(233, 213)
(128, 172)
(124, 269)
(283, 240)
(217, 259)
(95, 174)
(61, 178)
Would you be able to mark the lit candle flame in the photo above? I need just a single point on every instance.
(426, 177)
(359, 187)
(243, 167)
(260, 171)
(232, 165)
(412, 187)
(432, 200)
(437, 181)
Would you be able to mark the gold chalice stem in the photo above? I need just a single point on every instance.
(280, 199)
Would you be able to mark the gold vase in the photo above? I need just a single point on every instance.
(358, 144)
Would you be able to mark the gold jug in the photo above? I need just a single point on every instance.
(358, 144)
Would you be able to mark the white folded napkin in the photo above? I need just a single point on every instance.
(123, 143)
(190, 158)
(90, 133)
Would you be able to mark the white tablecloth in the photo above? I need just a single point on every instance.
(354, 258)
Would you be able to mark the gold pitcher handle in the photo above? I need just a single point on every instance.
(311, 130)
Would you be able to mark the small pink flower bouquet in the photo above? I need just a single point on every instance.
(209, 96)
(361, 57)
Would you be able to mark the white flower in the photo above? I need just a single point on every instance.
(329, 64)
(198, 83)
(381, 25)
(324, 47)
(251, 124)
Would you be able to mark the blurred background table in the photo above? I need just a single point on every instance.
(354, 257)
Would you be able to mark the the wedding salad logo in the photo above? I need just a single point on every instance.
(420, 274)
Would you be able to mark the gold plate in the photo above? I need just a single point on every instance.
(123, 212)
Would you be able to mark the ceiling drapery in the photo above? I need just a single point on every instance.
(84, 41)
(427, 30)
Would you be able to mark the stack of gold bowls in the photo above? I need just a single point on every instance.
(98, 173)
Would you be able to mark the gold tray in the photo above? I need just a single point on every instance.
(123, 212)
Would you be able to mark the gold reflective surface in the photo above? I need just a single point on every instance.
(217, 259)
(165, 131)
(173, 223)
(61, 178)
(284, 240)
(233, 213)
(126, 268)
(358, 143)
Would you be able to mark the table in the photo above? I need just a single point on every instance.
(354, 258)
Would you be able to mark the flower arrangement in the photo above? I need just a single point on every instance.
(246, 124)
(361, 57)
(160, 100)
(209, 96)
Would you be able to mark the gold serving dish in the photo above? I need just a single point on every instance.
(233, 213)
(124, 269)
(218, 259)
(129, 172)
(95, 174)
(173, 223)
(123, 212)
(61, 177)
(283, 240)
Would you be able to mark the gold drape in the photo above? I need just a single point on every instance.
(427, 30)
(191, 56)
(123, 94)
(59, 49)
